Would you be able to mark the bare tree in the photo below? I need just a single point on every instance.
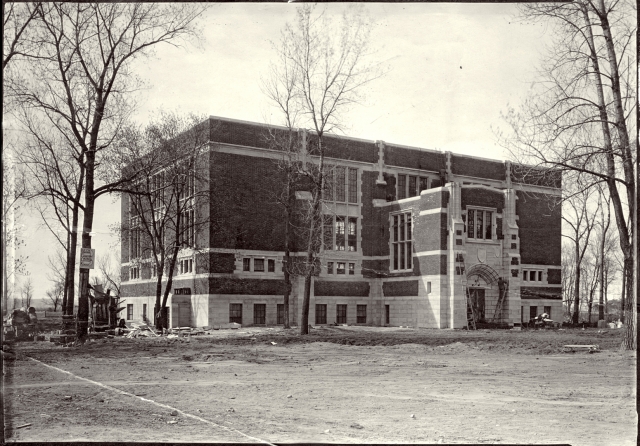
(17, 21)
(109, 267)
(55, 295)
(82, 87)
(579, 118)
(326, 68)
(169, 203)
(26, 293)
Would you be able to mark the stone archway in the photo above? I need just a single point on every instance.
(476, 289)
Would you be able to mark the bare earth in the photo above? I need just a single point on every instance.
(341, 384)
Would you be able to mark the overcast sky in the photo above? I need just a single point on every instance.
(453, 69)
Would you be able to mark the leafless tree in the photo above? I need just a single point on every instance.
(17, 24)
(26, 293)
(326, 68)
(580, 115)
(109, 268)
(169, 203)
(82, 87)
(577, 216)
(55, 295)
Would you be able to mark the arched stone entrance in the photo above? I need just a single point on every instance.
(480, 277)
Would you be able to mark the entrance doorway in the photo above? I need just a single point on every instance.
(477, 302)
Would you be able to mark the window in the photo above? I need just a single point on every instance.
(339, 233)
(362, 314)
(428, 287)
(144, 312)
(341, 314)
(340, 184)
(246, 264)
(134, 229)
(235, 313)
(547, 309)
(411, 185)
(154, 270)
(185, 266)
(129, 312)
(533, 312)
(321, 313)
(401, 241)
(280, 311)
(259, 314)
(186, 235)
(328, 232)
(340, 269)
(258, 265)
(402, 187)
(271, 265)
(329, 267)
(353, 185)
(352, 233)
(531, 275)
(157, 190)
(386, 314)
(352, 269)
(134, 272)
(479, 224)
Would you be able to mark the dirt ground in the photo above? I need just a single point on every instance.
(339, 384)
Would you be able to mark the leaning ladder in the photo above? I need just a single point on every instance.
(471, 313)
(501, 299)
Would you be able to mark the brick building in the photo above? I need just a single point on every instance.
(408, 232)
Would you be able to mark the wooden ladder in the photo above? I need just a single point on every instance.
(501, 298)
(471, 314)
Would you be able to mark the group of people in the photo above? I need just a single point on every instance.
(24, 321)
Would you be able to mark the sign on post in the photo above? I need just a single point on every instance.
(87, 257)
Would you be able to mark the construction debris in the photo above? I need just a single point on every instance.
(141, 330)
(591, 348)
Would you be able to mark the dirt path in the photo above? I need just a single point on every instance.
(320, 392)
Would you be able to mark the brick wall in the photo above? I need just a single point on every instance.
(431, 264)
(540, 293)
(554, 276)
(342, 148)
(218, 285)
(400, 288)
(462, 165)
(420, 159)
(339, 288)
(481, 197)
(215, 262)
(536, 176)
(375, 268)
(540, 228)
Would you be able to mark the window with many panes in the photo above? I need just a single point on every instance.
(341, 184)
(401, 242)
(235, 313)
(129, 312)
(246, 264)
(340, 233)
(479, 224)
(134, 272)
(410, 185)
(186, 216)
(361, 314)
(341, 314)
(321, 313)
(340, 269)
(280, 311)
(258, 265)
(259, 314)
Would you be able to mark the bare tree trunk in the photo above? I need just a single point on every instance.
(287, 248)
(624, 292)
(576, 298)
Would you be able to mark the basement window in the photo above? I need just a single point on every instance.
(246, 264)
(362, 314)
(352, 269)
(329, 267)
(235, 313)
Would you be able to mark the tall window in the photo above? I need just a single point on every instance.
(280, 310)
(353, 185)
(411, 185)
(479, 224)
(235, 313)
(129, 312)
(321, 313)
(401, 249)
(186, 236)
(157, 190)
(361, 314)
(135, 233)
(341, 314)
(341, 184)
(340, 233)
